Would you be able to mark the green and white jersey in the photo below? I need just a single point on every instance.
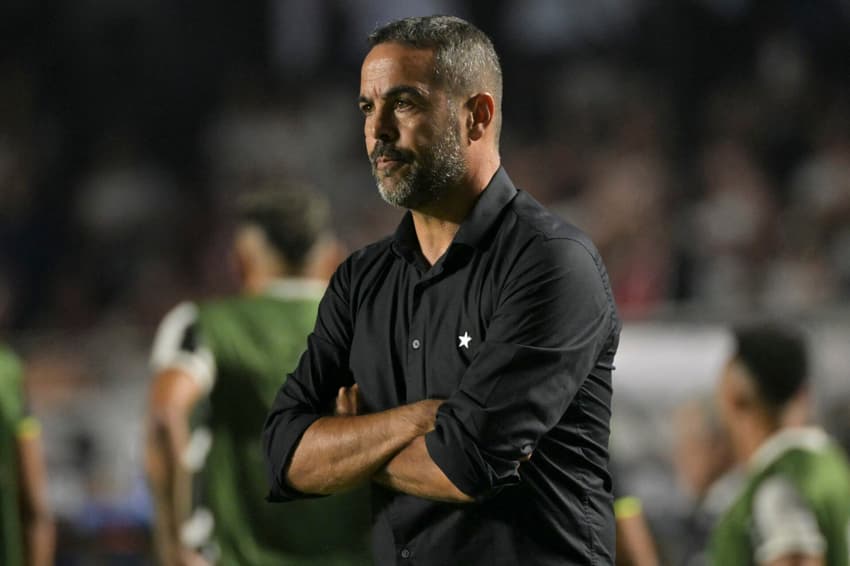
(240, 351)
(795, 499)
(12, 419)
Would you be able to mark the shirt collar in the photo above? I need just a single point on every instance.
(812, 439)
(498, 193)
(295, 288)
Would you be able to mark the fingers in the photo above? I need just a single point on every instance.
(347, 401)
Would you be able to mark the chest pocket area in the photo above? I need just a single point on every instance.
(452, 355)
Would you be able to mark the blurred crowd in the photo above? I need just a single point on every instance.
(703, 144)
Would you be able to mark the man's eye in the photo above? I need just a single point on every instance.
(366, 108)
(402, 104)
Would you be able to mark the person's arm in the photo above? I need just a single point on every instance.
(635, 546)
(551, 324)
(785, 529)
(412, 471)
(39, 529)
(309, 452)
(173, 395)
(404, 475)
(337, 453)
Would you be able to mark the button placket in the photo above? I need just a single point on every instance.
(418, 314)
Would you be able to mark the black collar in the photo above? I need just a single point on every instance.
(498, 193)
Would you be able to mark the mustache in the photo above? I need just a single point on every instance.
(388, 151)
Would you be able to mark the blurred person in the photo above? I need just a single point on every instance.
(794, 505)
(734, 223)
(625, 204)
(27, 532)
(218, 364)
(480, 337)
(635, 545)
(705, 468)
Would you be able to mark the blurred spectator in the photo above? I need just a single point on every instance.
(27, 533)
(704, 465)
(794, 505)
(734, 227)
(218, 365)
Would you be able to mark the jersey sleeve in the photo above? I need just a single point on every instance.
(783, 523)
(178, 344)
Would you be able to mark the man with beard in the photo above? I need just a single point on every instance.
(471, 351)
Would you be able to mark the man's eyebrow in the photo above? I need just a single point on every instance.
(396, 91)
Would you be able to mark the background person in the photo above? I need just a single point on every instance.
(794, 507)
(705, 468)
(27, 532)
(218, 365)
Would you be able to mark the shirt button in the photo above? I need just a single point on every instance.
(416, 344)
(405, 553)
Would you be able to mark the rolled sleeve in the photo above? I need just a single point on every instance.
(308, 392)
(553, 320)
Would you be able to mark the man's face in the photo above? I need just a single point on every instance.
(736, 396)
(413, 136)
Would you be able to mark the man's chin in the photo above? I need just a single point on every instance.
(392, 195)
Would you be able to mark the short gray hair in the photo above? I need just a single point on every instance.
(464, 58)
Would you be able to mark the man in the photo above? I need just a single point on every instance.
(481, 337)
(704, 466)
(27, 532)
(794, 506)
(218, 366)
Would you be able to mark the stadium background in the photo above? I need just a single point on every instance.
(704, 144)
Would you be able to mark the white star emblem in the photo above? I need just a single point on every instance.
(464, 340)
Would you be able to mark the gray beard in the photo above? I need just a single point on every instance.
(428, 178)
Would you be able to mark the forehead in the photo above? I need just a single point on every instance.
(389, 65)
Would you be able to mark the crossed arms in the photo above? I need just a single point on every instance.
(543, 340)
(339, 452)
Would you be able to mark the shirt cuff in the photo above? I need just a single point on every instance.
(281, 439)
(456, 453)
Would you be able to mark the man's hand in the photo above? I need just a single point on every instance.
(347, 402)
(340, 452)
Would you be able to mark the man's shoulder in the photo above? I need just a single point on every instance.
(366, 257)
(536, 219)
(558, 239)
(378, 248)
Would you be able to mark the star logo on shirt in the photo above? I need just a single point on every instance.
(464, 340)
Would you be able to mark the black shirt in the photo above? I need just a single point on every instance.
(516, 326)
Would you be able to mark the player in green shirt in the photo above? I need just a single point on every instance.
(27, 535)
(794, 506)
(218, 367)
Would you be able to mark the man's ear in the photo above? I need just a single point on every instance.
(482, 111)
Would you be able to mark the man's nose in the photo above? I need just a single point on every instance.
(384, 126)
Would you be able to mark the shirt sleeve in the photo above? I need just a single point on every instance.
(554, 316)
(177, 345)
(783, 523)
(308, 391)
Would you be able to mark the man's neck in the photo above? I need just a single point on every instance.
(753, 437)
(437, 224)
